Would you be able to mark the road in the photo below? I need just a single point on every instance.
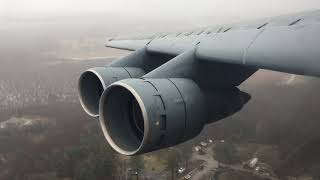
(209, 164)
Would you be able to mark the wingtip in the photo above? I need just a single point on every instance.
(109, 39)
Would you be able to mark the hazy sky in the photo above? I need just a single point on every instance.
(157, 7)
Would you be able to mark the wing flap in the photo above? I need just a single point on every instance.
(293, 49)
(228, 47)
(173, 46)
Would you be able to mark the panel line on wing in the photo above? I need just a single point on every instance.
(253, 40)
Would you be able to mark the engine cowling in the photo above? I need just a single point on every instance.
(94, 81)
(143, 115)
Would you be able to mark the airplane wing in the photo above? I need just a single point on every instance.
(172, 85)
(286, 43)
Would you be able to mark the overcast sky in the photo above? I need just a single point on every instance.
(157, 7)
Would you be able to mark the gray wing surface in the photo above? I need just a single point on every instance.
(286, 43)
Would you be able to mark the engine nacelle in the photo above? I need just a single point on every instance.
(143, 115)
(94, 81)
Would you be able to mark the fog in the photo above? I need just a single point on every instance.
(156, 8)
(140, 15)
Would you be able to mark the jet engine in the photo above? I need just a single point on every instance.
(94, 81)
(142, 115)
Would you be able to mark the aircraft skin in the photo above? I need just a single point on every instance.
(172, 85)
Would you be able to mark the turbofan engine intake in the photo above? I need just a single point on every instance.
(94, 81)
